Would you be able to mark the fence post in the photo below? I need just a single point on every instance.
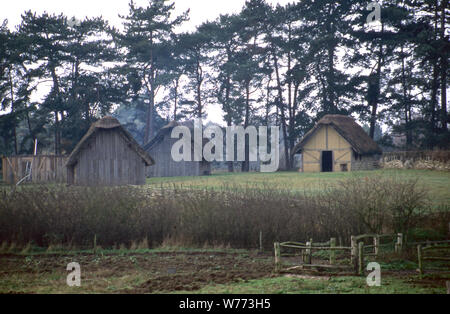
(419, 257)
(399, 244)
(277, 257)
(95, 243)
(354, 251)
(447, 283)
(260, 242)
(376, 244)
(332, 252)
(308, 252)
(361, 258)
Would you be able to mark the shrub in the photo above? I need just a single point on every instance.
(381, 203)
(55, 215)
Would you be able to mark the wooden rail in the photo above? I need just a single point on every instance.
(357, 251)
(306, 254)
(422, 250)
(397, 242)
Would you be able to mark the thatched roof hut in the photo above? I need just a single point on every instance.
(160, 147)
(337, 143)
(107, 155)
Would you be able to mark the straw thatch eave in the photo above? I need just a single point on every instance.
(351, 131)
(108, 123)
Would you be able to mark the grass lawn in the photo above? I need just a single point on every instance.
(304, 284)
(436, 182)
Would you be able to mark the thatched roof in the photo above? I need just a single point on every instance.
(348, 129)
(167, 129)
(108, 123)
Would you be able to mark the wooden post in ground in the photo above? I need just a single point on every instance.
(95, 243)
(447, 283)
(308, 252)
(332, 252)
(260, 242)
(277, 257)
(399, 244)
(419, 257)
(376, 244)
(361, 258)
(354, 251)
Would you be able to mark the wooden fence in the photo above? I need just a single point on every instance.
(356, 249)
(306, 254)
(44, 169)
(432, 160)
(422, 251)
(396, 242)
(438, 155)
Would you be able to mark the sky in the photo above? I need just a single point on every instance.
(200, 11)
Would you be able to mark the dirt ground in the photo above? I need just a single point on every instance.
(131, 273)
(159, 272)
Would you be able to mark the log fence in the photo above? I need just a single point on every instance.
(396, 241)
(307, 250)
(422, 256)
(357, 249)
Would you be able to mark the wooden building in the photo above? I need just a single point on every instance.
(34, 169)
(337, 143)
(160, 148)
(107, 155)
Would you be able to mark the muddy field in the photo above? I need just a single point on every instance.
(191, 271)
(136, 273)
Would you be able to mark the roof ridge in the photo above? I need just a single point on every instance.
(108, 122)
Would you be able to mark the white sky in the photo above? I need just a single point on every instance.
(200, 11)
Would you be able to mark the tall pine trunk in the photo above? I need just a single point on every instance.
(246, 162)
(444, 65)
(376, 90)
(13, 112)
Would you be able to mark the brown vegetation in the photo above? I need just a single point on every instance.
(74, 216)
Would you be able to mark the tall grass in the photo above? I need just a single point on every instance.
(44, 215)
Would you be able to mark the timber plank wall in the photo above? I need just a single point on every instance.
(165, 166)
(107, 159)
(45, 168)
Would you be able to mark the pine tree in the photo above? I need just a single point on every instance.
(147, 34)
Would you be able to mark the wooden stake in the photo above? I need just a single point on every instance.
(419, 257)
(361, 258)
(354, 251)
(277, 257)
(399, 244)
(308, 252)
(332, 252)
(376, 243)
(260, 242)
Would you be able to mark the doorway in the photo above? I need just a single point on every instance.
(327, 161)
